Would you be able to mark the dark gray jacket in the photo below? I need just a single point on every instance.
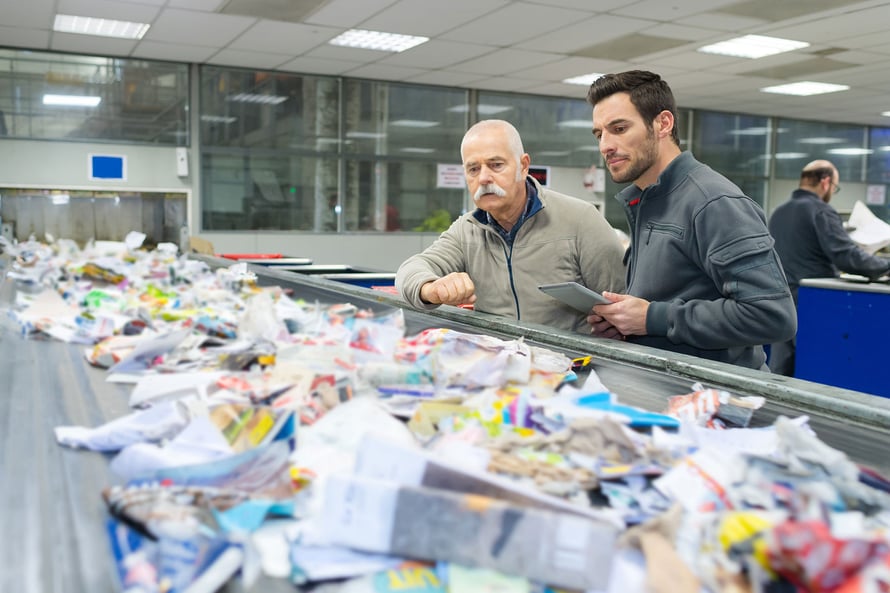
(701, 254)
(812, 243)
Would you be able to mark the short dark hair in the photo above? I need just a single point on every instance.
(812, 177)
(648, 93)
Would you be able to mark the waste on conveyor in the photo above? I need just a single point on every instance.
(317, 443)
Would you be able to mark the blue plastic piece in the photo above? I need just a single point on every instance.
(638, 417)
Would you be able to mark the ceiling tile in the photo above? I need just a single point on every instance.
(199, 28)
(504, 83)
(860, 22)
(660, 10)
(347, 13)
(205, 5)
(722, 21)
(445, 77)
(433, 17)
(348, 54)
(91, 44)
(21, 37)
(681, 32)
(176, 52)
(122, 11)
(581, 34)
(570, 67)
(318, 66)
(589, 5)
(506, 61)
(248, 59)
(381, 72)
(516, 23)
(34, 14)
(285, 38)
(437, 54)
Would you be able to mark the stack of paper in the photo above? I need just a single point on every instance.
(870, 232)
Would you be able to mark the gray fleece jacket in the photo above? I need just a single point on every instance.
(563, 239)
(701, 254)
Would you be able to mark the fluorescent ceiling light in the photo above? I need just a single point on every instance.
(885, 113)
(85, 25)
(255, 98)
(377, 40)
(850, 151)
(482, 109)
(576, 123)
(372, 135)
(418, 150)
(791, 155)
(755, 131)
(805, 88)
(585, 79)
(753, 46)
(553, 153)
(60, 199)
(71, 100)
(821, 140)
(219, 119)
(414, 123)
(588, 148)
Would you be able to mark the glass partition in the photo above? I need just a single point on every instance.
(736, 145)
(69, 97)
(799, 142)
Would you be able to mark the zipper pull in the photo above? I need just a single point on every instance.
(649, 226)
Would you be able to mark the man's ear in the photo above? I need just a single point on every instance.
(664, 124)
(524, 162)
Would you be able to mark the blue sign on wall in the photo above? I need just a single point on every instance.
(103, 166)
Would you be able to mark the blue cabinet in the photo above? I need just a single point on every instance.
(842, 336)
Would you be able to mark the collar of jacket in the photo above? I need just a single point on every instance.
(532, 205)
(804, 193)
(673, 175)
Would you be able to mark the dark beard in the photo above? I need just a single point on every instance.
(646, 160)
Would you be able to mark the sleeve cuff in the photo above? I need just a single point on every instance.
(657, 319)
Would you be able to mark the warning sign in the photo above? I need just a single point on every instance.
(450, 176)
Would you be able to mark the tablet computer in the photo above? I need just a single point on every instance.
(575, 295)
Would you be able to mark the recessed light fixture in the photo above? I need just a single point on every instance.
(553, 153)
(481, 109)
(71, 100)
(753, 46)
(418, 150)
(805, 88)
(255, 98)
(219, 119)
(885, 113)
(753, 131)
(585, 79)
(576, 123)
(86, 25)
(377, 40)
(414, 123)
(850, 151)
(784, 156)
(821, 140)
(369, 135)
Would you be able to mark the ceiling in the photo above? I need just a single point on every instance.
(516, 46)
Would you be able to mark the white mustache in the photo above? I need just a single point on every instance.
(489, 188)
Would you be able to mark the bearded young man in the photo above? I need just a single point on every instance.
(702, 275)
(520, 236)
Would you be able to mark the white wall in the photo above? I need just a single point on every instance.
(64, 165)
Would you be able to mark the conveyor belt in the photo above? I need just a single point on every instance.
(53, 518)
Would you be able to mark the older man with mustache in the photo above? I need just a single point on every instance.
(520, 235)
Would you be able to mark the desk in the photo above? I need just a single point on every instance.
(842, 334)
